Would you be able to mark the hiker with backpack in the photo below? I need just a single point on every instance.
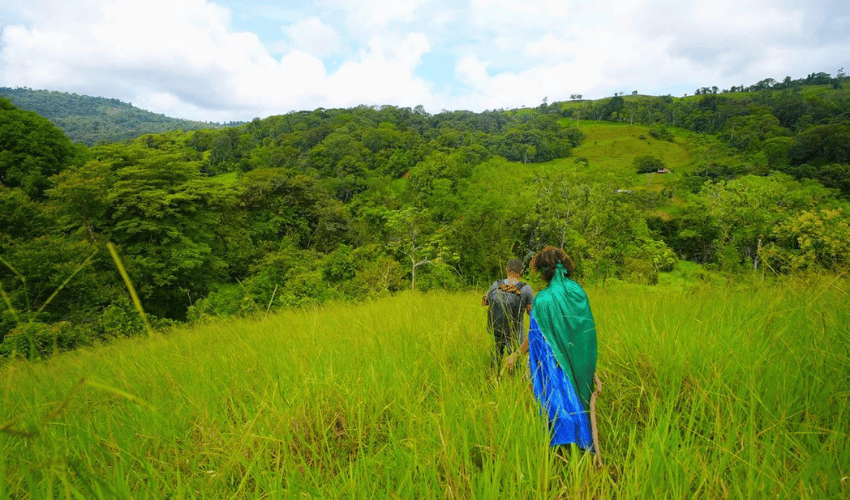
(508, 300)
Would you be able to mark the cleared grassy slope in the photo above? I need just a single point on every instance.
(710, 392)
(614, 146)
(610, 150)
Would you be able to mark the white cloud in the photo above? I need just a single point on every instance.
(472, 72)
(191, 61)
(654, 46)
(375, 14)
(314, 37)
(158, 100)
(384, 74)
(552, 47)
(187, 59)
(132, 44)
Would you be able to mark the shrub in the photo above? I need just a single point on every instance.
(40, 340)
(380, 277)
(638, 270)
(438, 276)
(304, 288)
(228, 300)
(661, 133)
(120, 319)
(339, 266)
(648, 164)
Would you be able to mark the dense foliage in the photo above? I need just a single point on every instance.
(31, 150)
(351, 203)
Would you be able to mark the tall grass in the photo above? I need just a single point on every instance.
(709, 393)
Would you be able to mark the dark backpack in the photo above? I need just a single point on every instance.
(506, 308)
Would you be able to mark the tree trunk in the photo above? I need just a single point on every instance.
(412, 273)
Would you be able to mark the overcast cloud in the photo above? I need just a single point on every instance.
(236, 60)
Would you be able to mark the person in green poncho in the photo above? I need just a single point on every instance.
(561, 344)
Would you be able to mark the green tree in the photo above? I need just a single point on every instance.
(822, 144)
(23, 219)
(746, 210)
(613, 107)
(31, 150)
(648, 164)
(334, 149)
(226, 151)
(433, 180)
(661, 133)
(604, 234)
(279, 203)
(36, 282)
(79, 199)
(494, 205)
(748, 132)
(411, 235)
(817, 238)
(163, 220)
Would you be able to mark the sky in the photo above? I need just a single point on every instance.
(229, 60)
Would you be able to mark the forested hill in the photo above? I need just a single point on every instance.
(351, 203)
(93, 120)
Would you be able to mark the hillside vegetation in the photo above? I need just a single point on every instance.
(96, 120)
(357, 203)
(709, 392)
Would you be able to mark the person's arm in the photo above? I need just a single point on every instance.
(528, 294)
(598, 384)
(485, 299)
(523, 349)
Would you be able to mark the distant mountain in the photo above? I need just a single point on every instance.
(92, 120)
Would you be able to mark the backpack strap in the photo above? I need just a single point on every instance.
(511, 288)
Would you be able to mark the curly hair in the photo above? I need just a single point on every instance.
(547, 259)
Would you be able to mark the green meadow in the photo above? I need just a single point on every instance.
(711, 390)
(612, 147)
(607, 153)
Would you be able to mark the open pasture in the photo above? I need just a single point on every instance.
(709, 392)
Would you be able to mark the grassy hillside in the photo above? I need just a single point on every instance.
(612, 147)
(610, 150)
(607, 155)
(710, 392)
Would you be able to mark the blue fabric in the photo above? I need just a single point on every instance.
(569, 421)
(564, 317)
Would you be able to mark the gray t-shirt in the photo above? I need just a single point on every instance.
(525, 292)
(527, 297)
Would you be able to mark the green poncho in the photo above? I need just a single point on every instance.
(563, 315)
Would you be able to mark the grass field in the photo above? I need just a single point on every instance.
(612, 147)
(610, 150)
(709, 392)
